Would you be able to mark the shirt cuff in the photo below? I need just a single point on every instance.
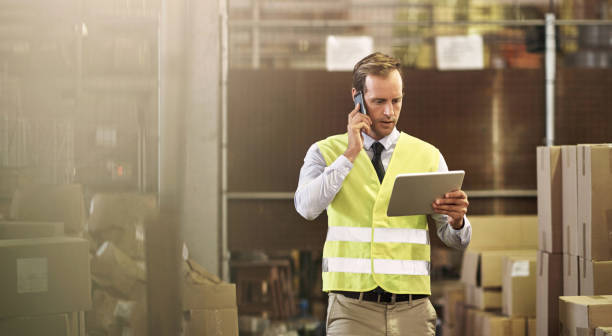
(342, 165)
(466, 223)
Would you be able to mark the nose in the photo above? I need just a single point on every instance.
(388, 109)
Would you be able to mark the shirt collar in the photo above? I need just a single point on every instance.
(387, 141)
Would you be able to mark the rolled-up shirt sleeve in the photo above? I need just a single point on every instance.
(319, 183)
(454, 238)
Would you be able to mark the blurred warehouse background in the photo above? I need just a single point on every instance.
(204, 110)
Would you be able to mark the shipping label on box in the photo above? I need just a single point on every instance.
(549, 286)
(519, 286)
(570, 200)
(580, 315)
(595, 201)
(484, 268)
(571, 275)
(596, 277)
(549, 179)
(44, 276)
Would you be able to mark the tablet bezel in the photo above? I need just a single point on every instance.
(429, 185)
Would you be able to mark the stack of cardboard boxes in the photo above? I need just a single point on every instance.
(116, 227)
(45, 283)
(209, 304)
(550, 257)
(498, 273)
(574, 211)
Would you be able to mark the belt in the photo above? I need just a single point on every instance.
(379, 295)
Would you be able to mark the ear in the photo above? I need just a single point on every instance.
(353, 93)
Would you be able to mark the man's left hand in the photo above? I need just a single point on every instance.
(455, 205)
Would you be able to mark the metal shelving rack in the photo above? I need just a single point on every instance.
(49, 52)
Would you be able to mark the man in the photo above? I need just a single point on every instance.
(376, 268)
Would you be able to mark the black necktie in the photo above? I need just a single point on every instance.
(377, 162)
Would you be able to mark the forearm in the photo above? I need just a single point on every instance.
(457, 239)
(319, 184)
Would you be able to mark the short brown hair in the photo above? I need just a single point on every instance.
(377, 64)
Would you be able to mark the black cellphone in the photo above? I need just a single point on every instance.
(359, 99)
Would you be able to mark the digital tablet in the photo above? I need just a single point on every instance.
(413, 194)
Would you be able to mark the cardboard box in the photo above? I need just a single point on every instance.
(119, 210)
(130, 239)
(44, 276)
(487, 299)
(211, 322)
(483, 298)
(51, 203)
(580, 315)
(549, 286)
(209, 304)
(24, 230)
(479, 321)
(519, 286)
(571, 275)
(595, 202)
(603, 331)
(531, 326)
(460, 318)
(48, 325)
(549, 178)
(470, 321)
(596, 277)
(447, 330)
(113, 268)
(101, 317)
(486, 233)
(570, 199)
(483, 268)
(495, 325)
(453, 297)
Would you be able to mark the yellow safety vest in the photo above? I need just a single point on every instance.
(364, 247)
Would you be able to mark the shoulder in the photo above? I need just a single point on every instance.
(409, 139)
(333, 141)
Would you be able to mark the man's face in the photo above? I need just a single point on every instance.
(383, 99)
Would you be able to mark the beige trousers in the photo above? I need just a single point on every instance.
(346, 316)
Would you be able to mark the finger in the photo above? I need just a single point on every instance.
(457, 201)
(358, 117)
(360, 126)
(452, 214)
(352, 114)
(455, 194)
(451, 207)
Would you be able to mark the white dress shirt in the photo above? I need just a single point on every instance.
(319, 184)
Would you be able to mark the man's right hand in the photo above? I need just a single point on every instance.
(357, 122)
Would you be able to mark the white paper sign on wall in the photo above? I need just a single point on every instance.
(460, 52)
(342, 52)
(520, 268)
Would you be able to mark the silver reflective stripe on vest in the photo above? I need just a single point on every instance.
(381, 235)
(400, 235)
(381, 266)
(403, 267)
